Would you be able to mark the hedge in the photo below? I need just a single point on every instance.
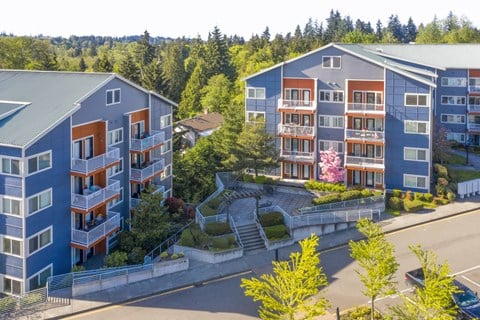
(217, 228)
(271, 219)
(278, 231)
(412, 205)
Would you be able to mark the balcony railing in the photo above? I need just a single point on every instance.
(95, 195)
(473, 108)
(135, 201)
(151, 140)
(147, 171)
(365, 135)
(87, 166)
(365, 108)
(295, 130)
(297, 156)
(473, 126)
(474, 88)
(377, 163)
(297, 104)
(97, 231)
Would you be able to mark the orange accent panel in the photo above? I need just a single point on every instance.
(101, 247)
(142, 115)
(474, 73)
(95, 129)
(362, 85)
(300, 84)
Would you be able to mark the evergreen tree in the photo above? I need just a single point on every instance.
(217, 96)
(173, 66)
(103, 64)
(129, 69)
(395, 28)
(297, 44)
(431, 33)
(379, 30)
(82, 65)
(217, 57)
(410, 31)
(190, 104)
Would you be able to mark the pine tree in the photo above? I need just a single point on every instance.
(129, 69)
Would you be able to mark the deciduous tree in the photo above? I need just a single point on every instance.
(330, 165)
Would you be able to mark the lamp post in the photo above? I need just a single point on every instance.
(466, 149)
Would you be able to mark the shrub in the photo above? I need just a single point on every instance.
(271, 219)
(200, 238)
(418, 196)
(329, 198)
(441, 201)
(451, 196)
(248, 178)
(136, 256)
(440, 170)
(324, 186)
(260, 179)
(232, 241)
(174, 204)
(440, 190)
(366, 193)
(181, 254)
(76, 268)
(428, 197)
(397, 193)
(278, 231)
(186, 239)
(412, 205)
(164, 255)
(395, 203)
(220, 243)
(360, 313)
(408, 195)
(116, 259)
(8, 304)
(126, 241)
(442, 182)
(217, 228)
(174, 256)
(350, 195)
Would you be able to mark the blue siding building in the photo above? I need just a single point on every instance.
(76, 150)
(377, 106)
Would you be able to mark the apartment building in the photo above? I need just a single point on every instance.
(76, 151)
(376, 105)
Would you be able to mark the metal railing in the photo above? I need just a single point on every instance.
(235, 231)
(154, 139)
(365, 135)
(91, 198)
(88, 237)
(366, 107)
(297, 104)
(134, 202)
(295, 130)
(473, 126)
(333, 217)
(365, 162)
(473, 88)
(473, 107)
(297, 155)
(150, 170)
(86, 166)
(12, 304)
(377, 201)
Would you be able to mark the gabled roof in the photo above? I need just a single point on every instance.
(33, 102)
(202, 122)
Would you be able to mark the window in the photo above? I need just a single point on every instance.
(415, 154)
(12, 286)
(40, 162)
(116, 169)
(474, 100)
(452, 118)
(330, 95)
(454, 100)
(416, 100)
(115, 136)
(324, 145)
(412, 181)
(40, 201)
(166, 147)
(11, 206)
(113, 96)
(416, 127)
(454, 82)
(330, 121)
(116, 200)
(12, 246)
(255, 93)
(40, 240)
(456, 136)
(253, 116)
(331, 62)
(11, 166)
(165, 121)
(40, 279)
(166, 172)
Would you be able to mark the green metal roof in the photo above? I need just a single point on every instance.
(32, 102)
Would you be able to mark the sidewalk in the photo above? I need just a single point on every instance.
(259, 263)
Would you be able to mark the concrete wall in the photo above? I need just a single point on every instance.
(208, 256)
(305, 232)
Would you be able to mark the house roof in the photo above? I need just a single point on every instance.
(203, 122)
(32, 102)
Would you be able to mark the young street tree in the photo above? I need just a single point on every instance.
(291, 291)
(375, 255)
(434, 300)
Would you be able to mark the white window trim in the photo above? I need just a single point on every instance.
(162, 120)
(336, 143)
(11, 254)
(331, 62)
(255, 93)
(453, 80)
(331, 96)
(113, 96)
(49, 152)
(416, 154)
(168, 168)
(166, 143)
(110, 205)
(38, 235)
(112, 133)
(453, 115)
(21, 214)
(418, 95)
(116, 173)
(454, 135)
(405, 127)
(254, 113)
(20, 166)
(3, 277)
(38, 273)
(415, 176)
(330, 117)
(453, 104)
(36, 195)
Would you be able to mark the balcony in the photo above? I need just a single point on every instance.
(473, 108)
(473, 127)
(97, 230)
(93, 196)
(295, 131)
(135, 200)
(364, 108)
(474, 89)
(297, 156)
(296, 105)
(148, 170)
(364, 162)
(149, 141)
(87, 166)
(365, 135)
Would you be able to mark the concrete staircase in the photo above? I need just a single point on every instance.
(250, 237)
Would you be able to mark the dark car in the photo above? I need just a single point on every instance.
(467, 302)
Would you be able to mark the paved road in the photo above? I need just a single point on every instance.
(455, 240)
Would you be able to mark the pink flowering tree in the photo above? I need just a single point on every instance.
(330, 165)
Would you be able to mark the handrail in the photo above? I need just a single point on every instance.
(237, 235)
(343, 204)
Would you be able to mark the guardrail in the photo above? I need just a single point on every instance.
(369, 201)
(154, 139)
(235, 231)
(333, 217)
(468, 188)
(10, 305)
(88, 237)
(87, 166)
(94, 198)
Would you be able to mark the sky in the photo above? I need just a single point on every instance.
(192, 18)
